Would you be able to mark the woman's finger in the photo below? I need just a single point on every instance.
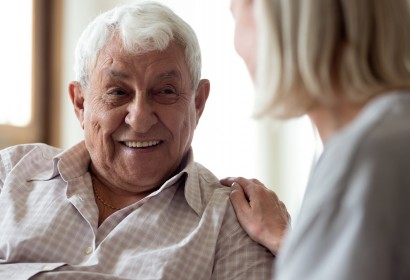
(239, 201)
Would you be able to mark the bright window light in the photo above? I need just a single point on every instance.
(15, 71)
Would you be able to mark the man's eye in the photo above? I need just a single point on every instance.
(117, 92)
(167, 91)
(165, 96)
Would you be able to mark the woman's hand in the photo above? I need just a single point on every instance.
(260, 212)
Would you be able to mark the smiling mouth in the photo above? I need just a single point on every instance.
(142, 144)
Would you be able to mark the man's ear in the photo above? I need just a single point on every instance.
(76, 92)
(201, 96)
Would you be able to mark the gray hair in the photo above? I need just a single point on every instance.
(309, 49)
(142, 27)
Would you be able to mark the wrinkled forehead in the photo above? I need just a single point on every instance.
(116, 61)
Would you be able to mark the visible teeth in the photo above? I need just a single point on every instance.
(144, 144)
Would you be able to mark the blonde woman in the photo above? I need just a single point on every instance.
(345, 64)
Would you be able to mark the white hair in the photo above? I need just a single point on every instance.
(142, 27)
(310, 49)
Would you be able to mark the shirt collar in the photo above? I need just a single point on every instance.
(62, 164)
(192, 187)
(188, 179)
(74, 162)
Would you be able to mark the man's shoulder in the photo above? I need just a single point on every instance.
(215, 194)
(237, 256)
(34, 151)
(209, 182)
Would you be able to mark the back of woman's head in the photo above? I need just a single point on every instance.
(310, 50)
(142, 27)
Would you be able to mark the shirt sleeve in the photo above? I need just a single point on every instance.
(3, 170)
(10, 157)
(25, 270)
(239, 257)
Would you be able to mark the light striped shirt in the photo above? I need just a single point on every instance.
(187, 229)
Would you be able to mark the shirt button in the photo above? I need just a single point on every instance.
(88, 250)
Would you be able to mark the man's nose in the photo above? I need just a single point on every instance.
(141, 115)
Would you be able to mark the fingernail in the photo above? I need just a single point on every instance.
(235, 185)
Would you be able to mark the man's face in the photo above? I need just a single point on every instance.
(245, 32)
(139, 115)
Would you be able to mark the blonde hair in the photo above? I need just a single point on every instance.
(308, 49)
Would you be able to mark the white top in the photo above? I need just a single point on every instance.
(354, 222)
(49, 225)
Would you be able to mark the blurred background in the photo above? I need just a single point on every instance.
(38, 42)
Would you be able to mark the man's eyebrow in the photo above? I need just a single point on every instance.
(118, 74)
(168, 74)
(121, 74)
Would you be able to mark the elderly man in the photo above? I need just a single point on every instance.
(129, 201)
